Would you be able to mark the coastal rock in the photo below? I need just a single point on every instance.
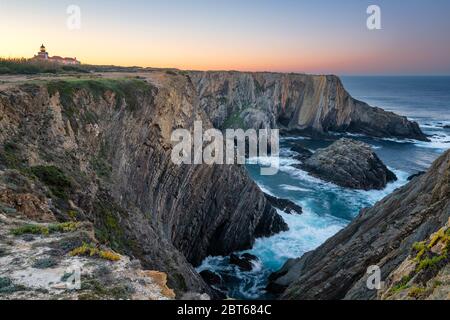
(244, 261)
(351, 164)
(418, 174)
(384, 236)
(211, 278)
(303, 153)
(296, 103)
(99, 149)
(284, 204)
(424, 274)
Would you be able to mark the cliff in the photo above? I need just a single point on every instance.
(308, 104)
(395, 230)
(98, 149)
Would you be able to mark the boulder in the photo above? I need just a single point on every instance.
(244, 262)
(351, 164)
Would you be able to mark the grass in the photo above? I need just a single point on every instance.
(91, 251)
(402, 285)
(45, 230)
(124, 88)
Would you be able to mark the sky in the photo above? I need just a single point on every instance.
(312, 36)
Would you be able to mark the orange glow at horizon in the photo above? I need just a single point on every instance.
(258, 41)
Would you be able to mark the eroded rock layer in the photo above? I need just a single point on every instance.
(384, 236)
(294, 102)
(100, 151)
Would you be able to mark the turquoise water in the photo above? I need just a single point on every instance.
(329, 208)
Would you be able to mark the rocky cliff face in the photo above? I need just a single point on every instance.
(425, 273)
(294, 102)
(99, 150)
(384, 235)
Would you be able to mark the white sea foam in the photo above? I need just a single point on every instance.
(293, 188)
(293, 138)
(265, 189)
(439, 141)
(306, 232)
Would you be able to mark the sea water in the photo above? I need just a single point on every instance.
(327, 207)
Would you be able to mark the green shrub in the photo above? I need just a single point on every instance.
(430, 262)
(27, 66)
(30, 229)
(45, 263)
(416, 292)
(45, 229)
(54, 178)
(402, 285)
(91, 251)
(8, 287)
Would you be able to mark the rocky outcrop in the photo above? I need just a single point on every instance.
(351, 164)
(244, 261)
(303, 103)
(47, 261)
(99, 149)
(425, 274)
(302, 153)
(418, 174)
(384, 236)
(284, 205)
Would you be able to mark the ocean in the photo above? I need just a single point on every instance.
(327, 207)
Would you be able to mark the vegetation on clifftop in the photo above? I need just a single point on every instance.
(124, 89)
(29, 67)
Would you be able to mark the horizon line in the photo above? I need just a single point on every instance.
(256, 71)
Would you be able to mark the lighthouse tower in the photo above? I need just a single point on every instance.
(43, 54)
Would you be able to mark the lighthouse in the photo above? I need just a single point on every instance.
(43, 54)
